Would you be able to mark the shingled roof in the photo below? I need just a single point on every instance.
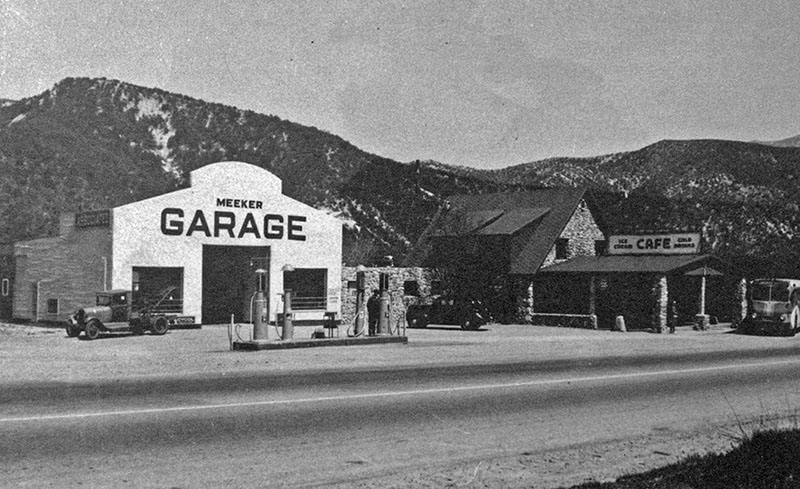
(531, 221)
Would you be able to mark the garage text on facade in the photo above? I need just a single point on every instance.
(268, 226)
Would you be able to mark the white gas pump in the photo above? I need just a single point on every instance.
(288, 327)
(259, 309)
(358, 328)
(383, 318)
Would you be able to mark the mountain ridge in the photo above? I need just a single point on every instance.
(793, 141)
(94, 143)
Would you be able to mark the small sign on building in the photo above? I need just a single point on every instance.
(655, 244)
(89, 219)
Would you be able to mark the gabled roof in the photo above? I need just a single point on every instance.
(530, 220)
(460, 223)
(513, 220)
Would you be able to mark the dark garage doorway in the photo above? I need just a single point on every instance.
(165, 284)
(229, 281)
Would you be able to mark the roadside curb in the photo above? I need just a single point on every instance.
(318, 342)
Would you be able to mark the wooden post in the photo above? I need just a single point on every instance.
(702, 319)
(703, 294)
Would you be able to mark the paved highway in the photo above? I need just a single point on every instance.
(286, 430)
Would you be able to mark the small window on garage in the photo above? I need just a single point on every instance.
(52, 306)
(411, 287)
(308, 286)
(4, 289)
(562, 245)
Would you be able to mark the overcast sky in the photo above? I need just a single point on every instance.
(483, 83)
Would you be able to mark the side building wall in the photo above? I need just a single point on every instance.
(63, 271)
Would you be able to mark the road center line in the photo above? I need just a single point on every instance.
(438, 390)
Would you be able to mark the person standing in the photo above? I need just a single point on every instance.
(673, 315)
(373, 311)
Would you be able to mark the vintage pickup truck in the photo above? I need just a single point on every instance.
(115, 312)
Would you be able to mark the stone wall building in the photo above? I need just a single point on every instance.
(491, 246)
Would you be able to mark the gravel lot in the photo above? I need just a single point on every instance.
(32, 354)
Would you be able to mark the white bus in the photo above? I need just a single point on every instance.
(774, 307)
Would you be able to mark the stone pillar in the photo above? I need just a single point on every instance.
(660, 309)
(741, 299)
(521, 288)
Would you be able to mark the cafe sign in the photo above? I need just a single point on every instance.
(655, 244)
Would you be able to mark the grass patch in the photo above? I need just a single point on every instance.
(766, 459)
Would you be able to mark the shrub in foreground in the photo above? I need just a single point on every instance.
(767, 459)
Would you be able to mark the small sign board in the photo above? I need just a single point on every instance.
(182, 320)
(90, 219)
(655, 244)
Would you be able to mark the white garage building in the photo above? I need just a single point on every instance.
(207, 241)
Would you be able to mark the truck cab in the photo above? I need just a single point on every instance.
(118, 304)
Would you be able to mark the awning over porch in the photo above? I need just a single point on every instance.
(657, 264)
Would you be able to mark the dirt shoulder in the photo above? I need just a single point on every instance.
(595, 462)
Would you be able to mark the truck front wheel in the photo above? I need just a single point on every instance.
(92, 329)
(160, 326)
(72, 330)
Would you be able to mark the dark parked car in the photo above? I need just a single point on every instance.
(468, 313)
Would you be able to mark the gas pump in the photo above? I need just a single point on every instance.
(383, 318)
(358, 328)
(288, 326)
(259, 310)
